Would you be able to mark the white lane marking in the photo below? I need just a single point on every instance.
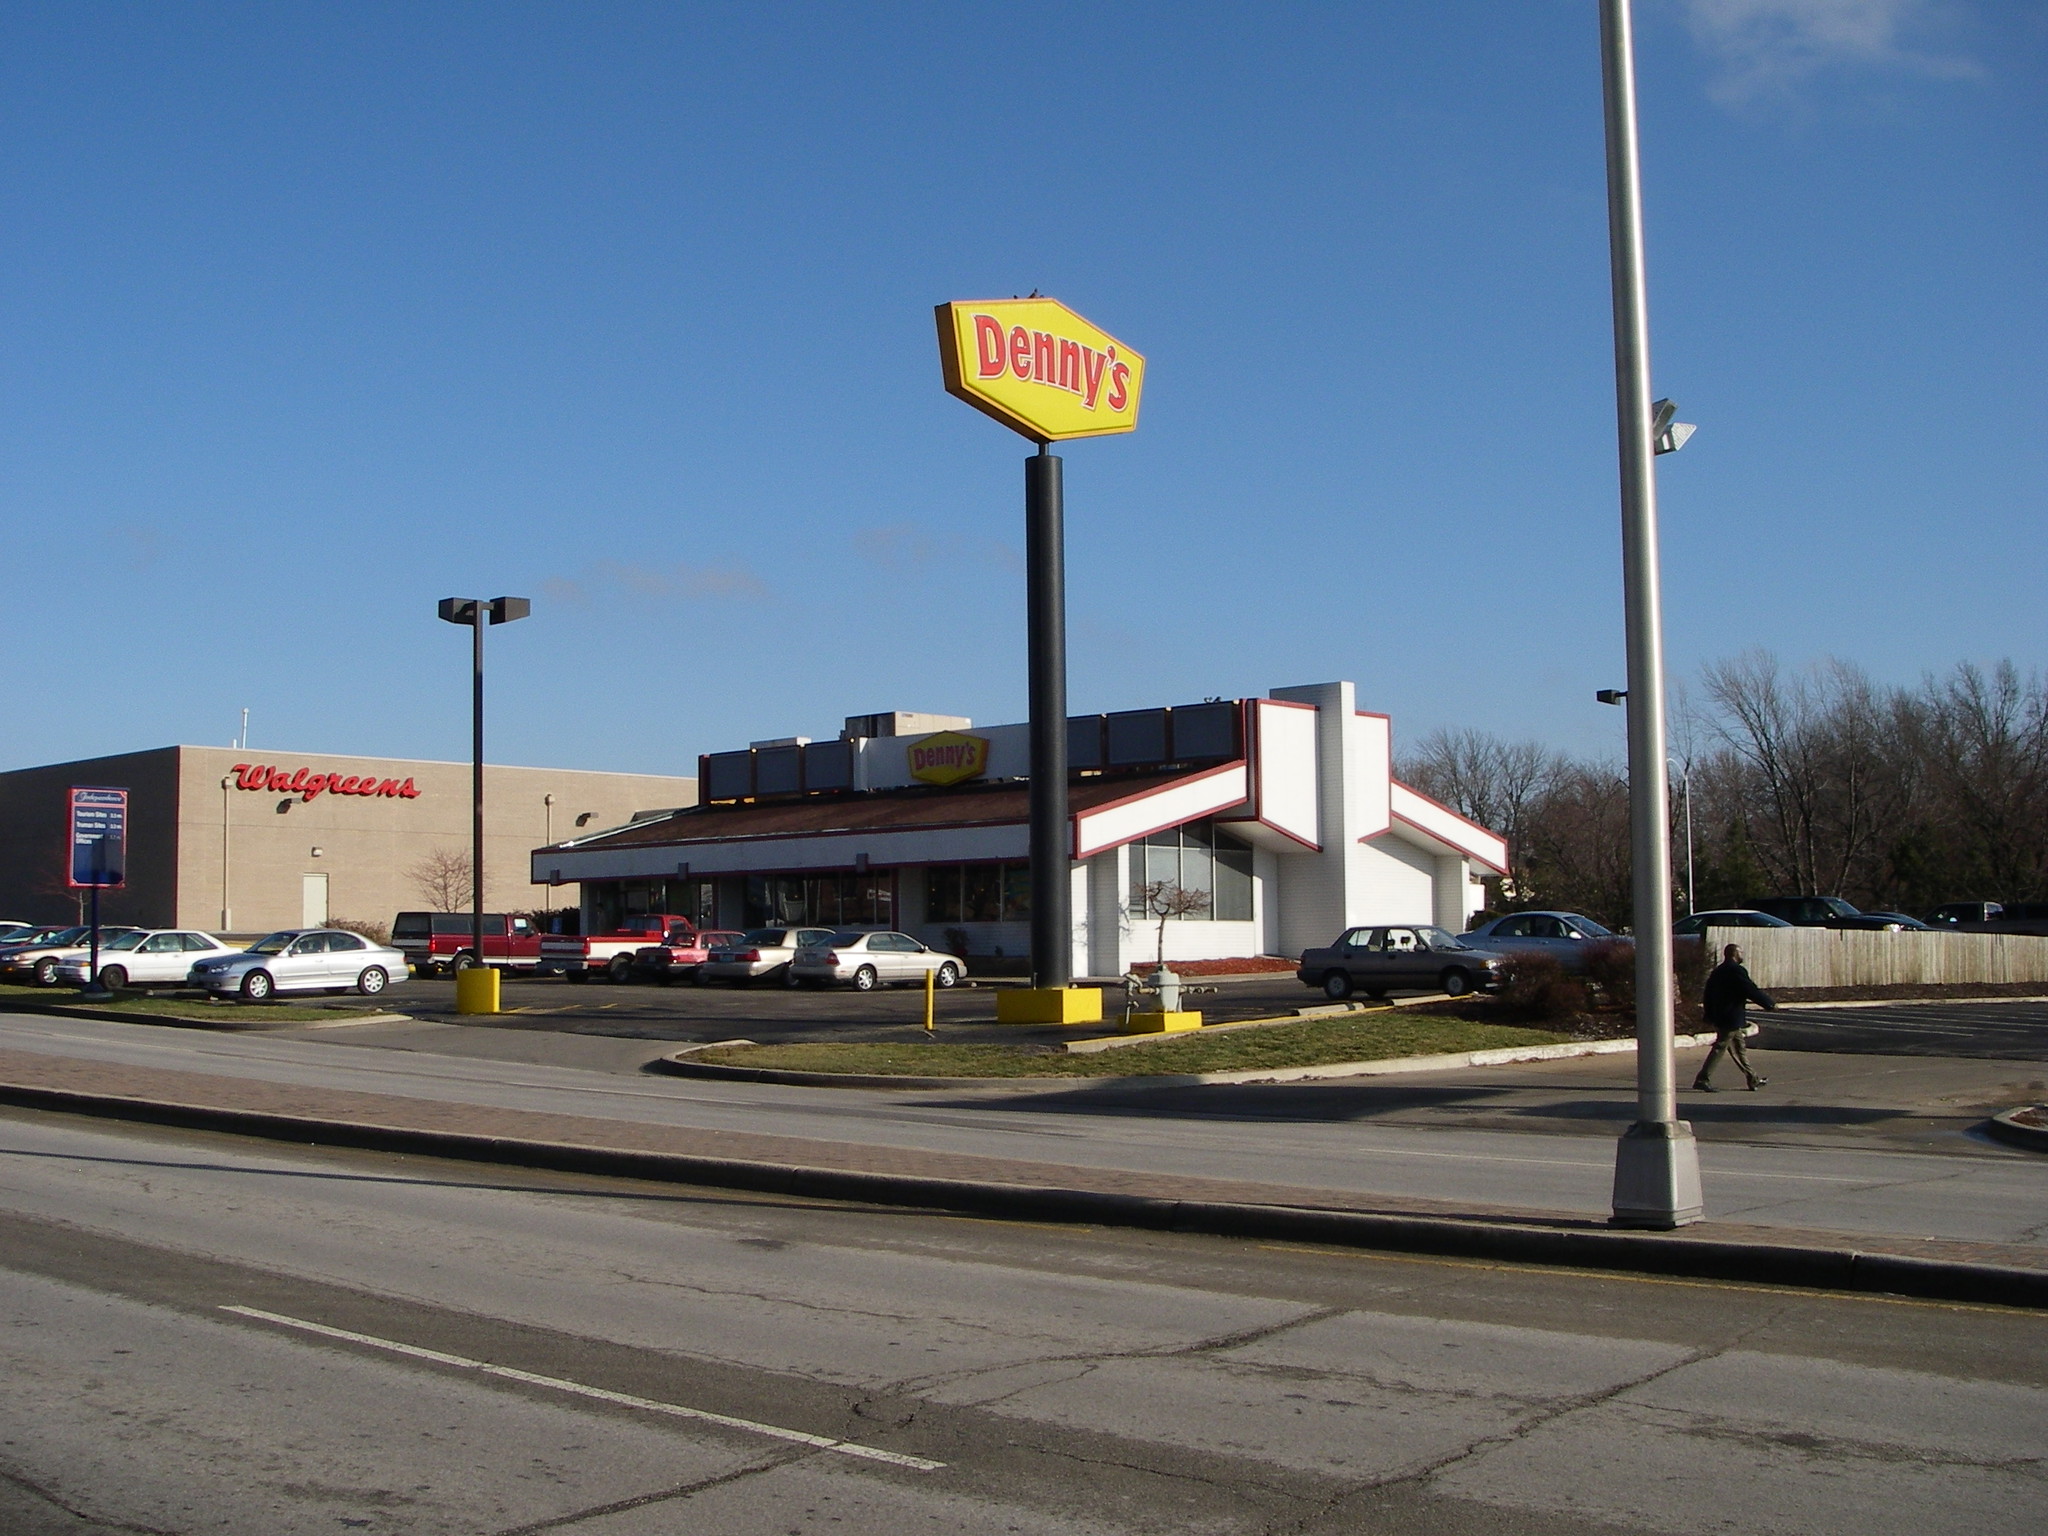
(624, 1399)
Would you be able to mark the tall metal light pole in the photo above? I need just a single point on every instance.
(1657, 1167)
(476, 612)
(1052, 927)
(227, 911)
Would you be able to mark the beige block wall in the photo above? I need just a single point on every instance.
(367, 844)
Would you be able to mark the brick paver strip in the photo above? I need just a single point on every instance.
(33, 1071)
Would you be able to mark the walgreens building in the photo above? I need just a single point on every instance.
(1282, 812)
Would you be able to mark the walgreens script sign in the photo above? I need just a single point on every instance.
(308, 785)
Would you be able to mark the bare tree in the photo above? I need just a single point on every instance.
(1163, 899)
(1486, 779)
(443, 879)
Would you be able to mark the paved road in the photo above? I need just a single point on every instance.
(200, 1336)
(1993, 1031)
(1539, 1139)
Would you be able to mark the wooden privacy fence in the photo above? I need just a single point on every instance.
(1845, 957)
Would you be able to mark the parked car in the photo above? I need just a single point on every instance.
(1952, 913)
(148, 957)
(865, 961)
(38, 961)
(579, 956)
(1377, 960)
(1898, 920)
(301, 960)
(759, 954)
(1733, 917)
(1564, 936)
(677, 956)
(446, 941)
(11, 929)
(1824, 912)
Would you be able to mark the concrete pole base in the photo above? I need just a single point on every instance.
(1657, 1176)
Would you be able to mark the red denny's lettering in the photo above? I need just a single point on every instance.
(1040, 357)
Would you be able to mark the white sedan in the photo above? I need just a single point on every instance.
(302, 960)
(865, 961)
(148, 957)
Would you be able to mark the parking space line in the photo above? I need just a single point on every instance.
(599, 1394)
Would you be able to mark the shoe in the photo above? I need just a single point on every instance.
(1756, 1083)
(1704, 1088)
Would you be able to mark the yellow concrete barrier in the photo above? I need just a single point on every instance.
(476, 990)
(1050, 1005)
(1157, 1023)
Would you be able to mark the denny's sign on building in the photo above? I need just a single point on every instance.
(1039, 368)
(948, 758)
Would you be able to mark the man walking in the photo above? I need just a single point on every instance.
(1729, 992)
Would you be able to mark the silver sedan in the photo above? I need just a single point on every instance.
(302, 960)
(865, 961)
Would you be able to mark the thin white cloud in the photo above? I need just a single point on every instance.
(1767, 48)
(911, 547)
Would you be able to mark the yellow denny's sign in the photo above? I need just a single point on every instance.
(948, 758)
(1039, 368)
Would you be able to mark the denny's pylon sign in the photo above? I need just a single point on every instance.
(1039, 368)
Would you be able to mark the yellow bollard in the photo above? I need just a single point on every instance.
(930, 981)
(476, 990)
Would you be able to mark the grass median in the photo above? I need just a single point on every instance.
(1311, 1043)
(129, 1002)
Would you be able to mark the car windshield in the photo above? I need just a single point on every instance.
(1436, 938)
(846, 936)
(125, 941)
(272, 944)
(65, 936)
(1591, 929)
(774, 938)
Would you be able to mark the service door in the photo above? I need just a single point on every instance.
(313, 901)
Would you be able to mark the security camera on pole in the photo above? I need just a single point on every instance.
(1040, 369)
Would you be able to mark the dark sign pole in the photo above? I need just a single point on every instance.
(1045, 557)
(476, 612)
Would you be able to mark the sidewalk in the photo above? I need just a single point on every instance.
(986, 1185)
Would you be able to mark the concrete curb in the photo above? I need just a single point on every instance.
(1500, 1056)
(181, 1021)
(1669, 1254)
(2008, 1128)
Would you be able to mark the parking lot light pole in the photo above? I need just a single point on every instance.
(476, 612)
(227, 911)
(1657, 1168)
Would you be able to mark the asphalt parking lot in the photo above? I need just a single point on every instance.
(1983, 1031)
(774, 1014)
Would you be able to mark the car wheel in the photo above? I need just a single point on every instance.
(113, 977)
(257, 985)
(46, 973)
(1337, 985)
(1454, 982)
(465, 961)
(620, 970)
(865, 979)
(372, 981)
(947, 975)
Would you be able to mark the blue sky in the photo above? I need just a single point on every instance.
(316, 314)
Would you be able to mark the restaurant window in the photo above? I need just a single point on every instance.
(1199, 858)
(977, 893)
(860, 900)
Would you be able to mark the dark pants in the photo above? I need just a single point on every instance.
(1727, 1042)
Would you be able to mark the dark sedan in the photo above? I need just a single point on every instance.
(1376, 961)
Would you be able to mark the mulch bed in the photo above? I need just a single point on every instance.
(1249, 965)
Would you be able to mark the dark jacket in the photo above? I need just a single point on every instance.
(1729, 990)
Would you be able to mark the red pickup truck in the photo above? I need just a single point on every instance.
(446, 941)
(576, 955)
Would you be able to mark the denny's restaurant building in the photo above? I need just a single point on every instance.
(1282, 812)
(251, 841)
